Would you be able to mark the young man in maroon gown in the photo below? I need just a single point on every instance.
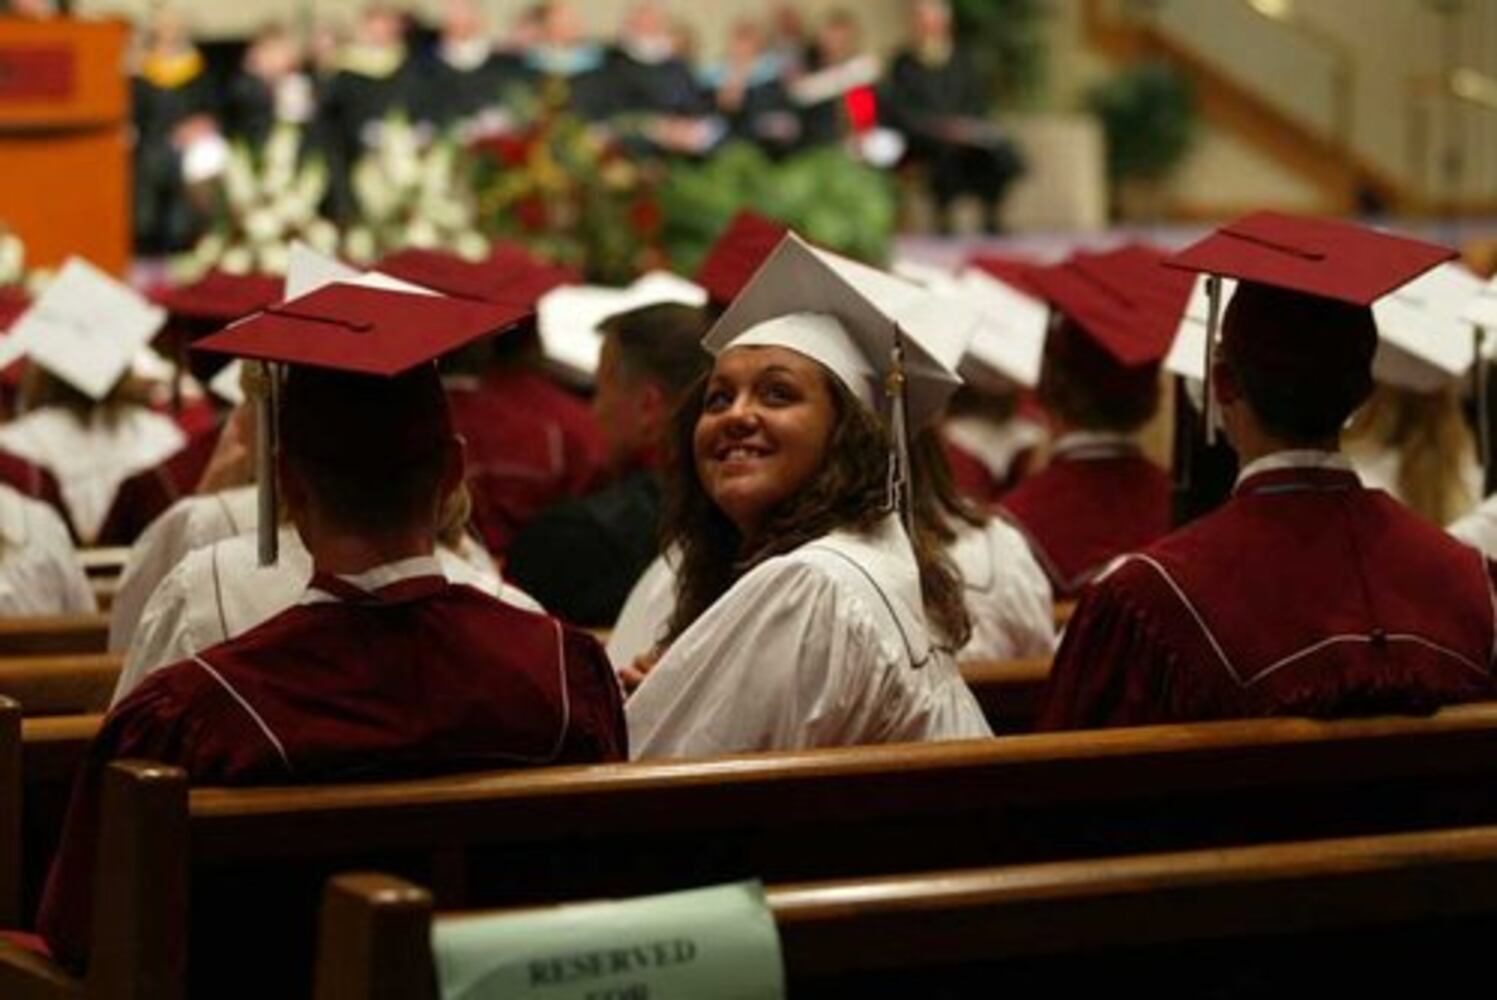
(1305, 594)
(384, 667)
(1099, 496)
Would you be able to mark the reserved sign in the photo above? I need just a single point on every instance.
(702, 944)
(30, 73)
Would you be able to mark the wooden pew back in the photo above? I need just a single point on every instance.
(65, 684)
(375, 930)
(45, 635)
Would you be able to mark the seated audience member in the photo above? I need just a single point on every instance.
(935, 96)
(1306, 593)
(531, 442)
(581, 557)
(1099, 496)
(838, 47)
(1411, 437)
(805, 615)
(397, 669)
(271, 88)
(172, 105)
(85, 422)
(467, 75)
(373, 78)
(33, 481)
(649, 75)
(39, 571)
(749, 92)
(564, 56)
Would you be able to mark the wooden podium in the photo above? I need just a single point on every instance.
(64, 140)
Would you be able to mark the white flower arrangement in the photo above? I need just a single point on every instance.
(413, 191)
(270, 197)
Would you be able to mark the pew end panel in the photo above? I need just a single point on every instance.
(374, 940)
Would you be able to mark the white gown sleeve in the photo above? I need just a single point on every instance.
(1008, 595)
(791, 658)
(164, 635)
(75, 596)
(1478, 529)
(159, 548)
(645, 614)
(39, 569)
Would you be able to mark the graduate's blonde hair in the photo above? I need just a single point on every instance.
(849, 492)
(1434, 443)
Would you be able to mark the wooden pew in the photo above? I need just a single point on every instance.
(577, 832)
(50, 750)
(104, 566)
(1009, 691)
(1063, 612)
(66, 684)
(43, 635)
(853, 935)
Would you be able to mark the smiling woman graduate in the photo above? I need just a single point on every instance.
(814, 603)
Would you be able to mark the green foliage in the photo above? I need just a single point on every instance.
(1149, 114)
(1007, 39)
(824, 194)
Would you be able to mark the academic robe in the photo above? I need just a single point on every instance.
(452, 89)
(1098, 498)
(146, 495)
(653, 86)
(31, 480)
(826, 645)
(988, 459)
(580, 557)
(1006, 593)
(164, 216)
(91, 460)
(397, 673)
(920, 97)
(1305, 594)
(521, 457)
(39, 570)
(191, 523)
(646, 612)
(353, 102)
(219, 590)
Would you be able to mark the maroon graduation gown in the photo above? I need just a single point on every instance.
(1090, 505)
(146, 495)
(33, 481)
(1305, 594)
(520, 461)
(421, 677)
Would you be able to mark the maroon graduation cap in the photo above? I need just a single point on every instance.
(1016, 272)
(359, 330)
(510, 275)
(1120, 299)
(220, 297)
(737, 254)
(1325, 258)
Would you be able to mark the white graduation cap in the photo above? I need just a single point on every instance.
(1010, 336)
(1423, 341)
(568, 319)
(1481, 309)
(86, 328)
(936, 279)
(1187, 356)
(893, 345)
(307, 270)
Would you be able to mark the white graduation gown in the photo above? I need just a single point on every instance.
(1007, 595)
(1478, 529)
(191, 523)
(823, 646)
(220, 591)
(39, 570)
(91, 460)
(1379, 466)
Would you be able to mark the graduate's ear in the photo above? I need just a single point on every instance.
(654, 410)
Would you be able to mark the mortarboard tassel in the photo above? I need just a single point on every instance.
(901, 488)
(1213, 323)
(1483, 391)
(265, 473)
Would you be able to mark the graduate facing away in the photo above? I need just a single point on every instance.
(384, 667)
(1306, 593)
(814, 603)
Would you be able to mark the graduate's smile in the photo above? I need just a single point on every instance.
(766, 416)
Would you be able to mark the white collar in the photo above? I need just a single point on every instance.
(382, 576)
(1089, 444)
(1304, 458)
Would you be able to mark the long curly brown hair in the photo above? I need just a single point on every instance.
(847, 493)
